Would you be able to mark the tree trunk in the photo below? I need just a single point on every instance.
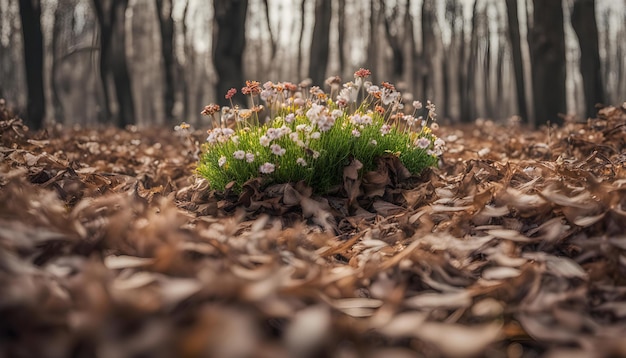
(468, 113)
(228, 46)
(518, 63)
(395, 42)
(30, 15)
(341, 38)
(320, 42)
(372, 45)
(584, 24)
(166, 26)
(301, 38)
(547, 53)
(428, 48)
(113, 64)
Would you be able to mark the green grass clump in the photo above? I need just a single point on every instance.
(312, 135)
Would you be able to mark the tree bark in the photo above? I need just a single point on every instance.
(395, 42)
(584, 24)
(468, 112)
(372, 45)
(428, 48)
(518, 63)
(113, 64)
(320, 42)
(30, 15)
(166, 26)
(341, 38)
(547, 53)
(229, 44)
(301, 38)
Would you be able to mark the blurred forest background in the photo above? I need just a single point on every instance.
(158, 62)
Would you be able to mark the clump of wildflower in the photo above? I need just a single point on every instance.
(311, 135)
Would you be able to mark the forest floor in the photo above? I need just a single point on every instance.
(515, 246)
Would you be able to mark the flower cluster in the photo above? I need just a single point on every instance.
(311, 135)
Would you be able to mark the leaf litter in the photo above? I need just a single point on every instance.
(110, 245)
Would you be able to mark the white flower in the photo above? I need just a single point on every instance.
(284, 130)
(434, 126)
(385, 129)
(356, 133)
(316, 154)
(273, 133)
(422, 143)
(221, 161)
(417, 104)
(249, 157)
(267, 168)
(301, 161)
(278, 150)
(315, 135)
(290, 117)
(373, 89)
(314, 112)
(336, 113)
(265, 140)
(239, 154)
(235, 139)
(373, 142)
(300, 127)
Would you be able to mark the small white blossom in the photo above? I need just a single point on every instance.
(316, 154)
(385, 129)
(356, 133)
(422, 143)
(221, 161)
(235, 139)
(373, 142)
(265, 140)
(293, 136)
(278, 150)
(417, 104)
(301, 161)
(249, 157)
(315, 135)
(267, 168)
(239, 154)
(290, 118)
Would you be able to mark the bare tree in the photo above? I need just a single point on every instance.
(395, 39)
(30, 15)
(428, 47)
(372, 45)
(547, 52)
(228, 46)
(516, 53)
(318, 59)
(301, 38)
(468, 110)
(113, 62)
(166, 26)
(341, 38)
(584, 24)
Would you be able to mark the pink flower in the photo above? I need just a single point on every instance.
(278, 150)
(231, 92)
(422, 143)
(362, 73)
(267, 168)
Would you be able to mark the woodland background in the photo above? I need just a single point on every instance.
(161, 61)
